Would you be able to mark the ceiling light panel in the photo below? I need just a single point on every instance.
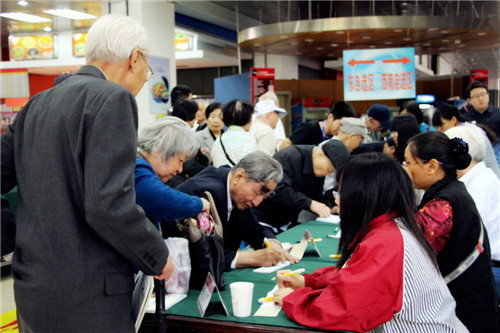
(25, 17)
(70, 14)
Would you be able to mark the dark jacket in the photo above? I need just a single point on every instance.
(474, 290)
(297, 189)
(242, 224)
(309, 133)
(72, 151)
(490, 117)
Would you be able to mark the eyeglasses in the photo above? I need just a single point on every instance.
(483, 94)
(265, 191)
(150, 70)
(406, 164)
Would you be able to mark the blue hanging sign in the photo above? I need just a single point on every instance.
(379, 74)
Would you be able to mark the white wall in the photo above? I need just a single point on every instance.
(285, 67)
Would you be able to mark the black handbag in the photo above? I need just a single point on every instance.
(207, 253)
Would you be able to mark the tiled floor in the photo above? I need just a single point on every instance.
(7, 295)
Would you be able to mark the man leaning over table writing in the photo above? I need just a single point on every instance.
(235, 192)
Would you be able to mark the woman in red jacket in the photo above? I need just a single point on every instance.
(387, 277)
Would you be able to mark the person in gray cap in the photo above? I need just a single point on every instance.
(304, 170)
(352, 132)
(378, 120)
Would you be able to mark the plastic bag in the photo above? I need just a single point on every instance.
(179, 252)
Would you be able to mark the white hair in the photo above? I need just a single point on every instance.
(261, 167)
(168, 136)
(270, 95)
(474, 137)
(112, 38)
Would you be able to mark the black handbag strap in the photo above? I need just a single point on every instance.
(140, 155)
(215, 215)
(225, 152)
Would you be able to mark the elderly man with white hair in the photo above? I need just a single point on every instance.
(71, 151)
(484, 187)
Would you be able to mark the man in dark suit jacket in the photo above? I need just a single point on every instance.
(71, 151)
(235, 192)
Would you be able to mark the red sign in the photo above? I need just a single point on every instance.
(480, 75)
(262, 82)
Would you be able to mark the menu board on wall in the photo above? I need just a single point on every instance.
(32, 47)
(14, 83)
(79, 41)
(262, 82)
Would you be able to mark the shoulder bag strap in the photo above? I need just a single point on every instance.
(225, 153)
(471, 258)
(215, 214)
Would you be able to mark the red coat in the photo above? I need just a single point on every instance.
(368, 291)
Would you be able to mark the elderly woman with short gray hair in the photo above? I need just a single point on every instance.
(163, 146)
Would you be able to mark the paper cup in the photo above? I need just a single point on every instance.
(241, 297)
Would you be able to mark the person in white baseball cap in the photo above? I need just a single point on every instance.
(266, 115)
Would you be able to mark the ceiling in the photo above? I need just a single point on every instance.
(468, 31)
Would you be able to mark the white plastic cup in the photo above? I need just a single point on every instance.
(241, 297)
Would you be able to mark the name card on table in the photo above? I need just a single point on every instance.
(206, 295)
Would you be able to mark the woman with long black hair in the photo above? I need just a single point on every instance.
(387, 277)
(451, 223)
(403, 127)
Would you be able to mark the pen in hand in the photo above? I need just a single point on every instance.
(292, 273)
(265, 299)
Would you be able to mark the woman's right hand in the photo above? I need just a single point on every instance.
(287, 281)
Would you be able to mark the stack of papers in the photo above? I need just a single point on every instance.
(331, 219)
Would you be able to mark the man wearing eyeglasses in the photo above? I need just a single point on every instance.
(236, 191)
(482, 111)
(71, 151)
(305, 168)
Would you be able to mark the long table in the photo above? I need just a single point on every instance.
(185, 316)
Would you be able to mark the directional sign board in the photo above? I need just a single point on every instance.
(379, 74)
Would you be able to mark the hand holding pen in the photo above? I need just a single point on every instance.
(286, 279)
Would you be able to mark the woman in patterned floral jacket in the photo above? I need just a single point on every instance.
(451, 223)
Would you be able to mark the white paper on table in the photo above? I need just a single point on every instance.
(272, 269)
(269, 309)
(331, 219)
(286, 246)
(170, 300)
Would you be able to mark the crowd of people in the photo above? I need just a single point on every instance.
(96, 199)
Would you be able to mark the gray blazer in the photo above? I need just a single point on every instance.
(205, 140)
(71, 152)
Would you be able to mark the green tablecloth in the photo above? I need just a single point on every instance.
(262, 282)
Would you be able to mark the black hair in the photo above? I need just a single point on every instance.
(185, 109)
(413, 108)
(406, 125)
(452, 154)
(342, 109)
(238, 113)
(474, 85)
(492, 136)
(378, 184)
(436, 119)
(178, 92)
(390, 142)
(448, 111)
(212, 107)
